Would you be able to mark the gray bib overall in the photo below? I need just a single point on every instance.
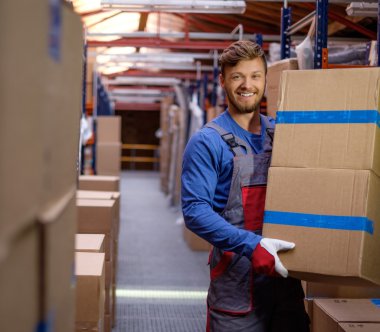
(239, 299)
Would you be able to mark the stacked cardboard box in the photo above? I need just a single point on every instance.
(108, 145)
(323, 185)
(90, 294)
(346, 315)
(318, 290)
(98, 213)
(275, 70)
(39, 135)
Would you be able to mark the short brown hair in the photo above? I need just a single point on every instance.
(241, 50)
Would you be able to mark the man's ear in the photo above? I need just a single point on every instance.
(221, 80)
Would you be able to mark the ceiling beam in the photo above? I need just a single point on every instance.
(161, 43)
(142, 73)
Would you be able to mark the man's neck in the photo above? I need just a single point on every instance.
(250, 122)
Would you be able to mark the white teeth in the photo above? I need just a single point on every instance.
(247, 94)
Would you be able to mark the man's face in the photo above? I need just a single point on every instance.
(244, 85)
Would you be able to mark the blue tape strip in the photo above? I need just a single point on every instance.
(319, 221)
(376, 302)
(357, 116)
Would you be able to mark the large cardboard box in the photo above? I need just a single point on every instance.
(108, 158)
(21, 102)
(90, 291)
(329, 313)
(275, 70)
(89, 242)
(62, 107)
(39, 118)
(108, 129)
(58, 226)
(99, 182)
(20, 283)
(329, 119)
(333, 216)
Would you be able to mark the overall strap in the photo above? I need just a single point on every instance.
(235, 143)
(269, 133)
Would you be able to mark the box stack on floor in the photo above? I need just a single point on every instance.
(98, 206)
(324, 188)
(39, 134)
(108, 145)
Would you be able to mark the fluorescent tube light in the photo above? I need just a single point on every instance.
(177, 6)
(362, 9)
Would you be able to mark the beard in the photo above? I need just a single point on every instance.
(243, 108)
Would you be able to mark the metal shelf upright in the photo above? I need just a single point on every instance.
(320, 48)
(286, 19)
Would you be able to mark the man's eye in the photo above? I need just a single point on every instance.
(235, 77)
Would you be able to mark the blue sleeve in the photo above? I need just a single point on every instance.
(200, 169)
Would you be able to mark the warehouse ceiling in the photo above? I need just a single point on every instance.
(182, 45)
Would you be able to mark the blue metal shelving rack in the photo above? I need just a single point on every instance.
(320, 49)
(286, 19)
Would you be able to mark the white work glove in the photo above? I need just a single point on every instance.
(265, 259)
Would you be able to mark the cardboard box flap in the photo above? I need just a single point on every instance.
(318, 90)
(350, 310)
(89, 264)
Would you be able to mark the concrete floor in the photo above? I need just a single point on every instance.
(161, 283)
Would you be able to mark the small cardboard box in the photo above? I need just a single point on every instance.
(108, 129)
(90, 290)
(274, 82)
(333, 216)
(329, 119)
(329, 313)
(108, 158)
(97, 217)
(96, 194)
(89, 242)
(99, 182)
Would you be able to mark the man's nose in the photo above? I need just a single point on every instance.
(247, 83)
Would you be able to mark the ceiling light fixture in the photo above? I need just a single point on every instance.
(176, 6)
(362, 9)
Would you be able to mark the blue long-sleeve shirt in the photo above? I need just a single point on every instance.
(206, 180)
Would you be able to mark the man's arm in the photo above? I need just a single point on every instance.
(200, 171)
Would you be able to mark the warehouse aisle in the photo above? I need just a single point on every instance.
(161, 283)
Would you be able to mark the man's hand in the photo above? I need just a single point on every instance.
(265, 259)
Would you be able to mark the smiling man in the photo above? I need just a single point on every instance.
(224, 177)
